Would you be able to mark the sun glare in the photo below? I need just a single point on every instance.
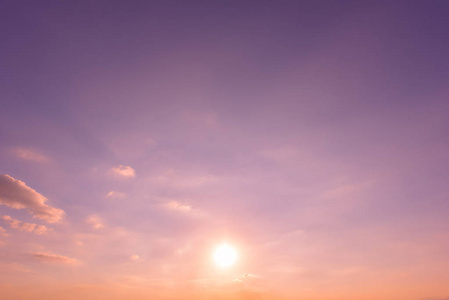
(225, 256)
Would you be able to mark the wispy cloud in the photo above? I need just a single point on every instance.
(54, 258)
(134, 257)
(123, 171)
(16, 194)
(115, 195)
(246, 277)
(31, 155)
(28, 227)
(14, 267)
(95, 221)
(3, 231)
(174, 205)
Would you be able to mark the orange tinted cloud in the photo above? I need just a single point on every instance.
(174, 205)
(3, 231)
(134, 257)
(54, 258)
(28, 227)
(95, 221)
(31, 155)
(115, 195)
(124, 171)
(16, 194)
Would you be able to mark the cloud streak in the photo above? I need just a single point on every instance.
(30, 155)
(95, 221)
(54, 258)
(28, 227)
(3, 231)
(115, 195)
(16, 194)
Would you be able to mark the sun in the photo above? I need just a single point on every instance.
(225, 256)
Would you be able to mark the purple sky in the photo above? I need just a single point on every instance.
(136, 136)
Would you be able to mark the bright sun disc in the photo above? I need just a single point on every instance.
(225, 255)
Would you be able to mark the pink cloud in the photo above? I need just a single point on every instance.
(28, 227)
(95, 221)
(16, 194)
(124, 171)
(31, 155)
(134, 257)
(115, 195)
(3, 231)
(174, 205)
(54, 258)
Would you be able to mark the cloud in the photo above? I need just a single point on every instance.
(3, 231)
(246, 277)
(54, 258)
(181, 207)
(13, 267)
(95, 221)
(124, 171)
(30, 155)
(16, 194)
(28, 227)
(174, 205)
(115, 195)
(134, 257)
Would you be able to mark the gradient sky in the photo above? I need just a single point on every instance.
(136, 136)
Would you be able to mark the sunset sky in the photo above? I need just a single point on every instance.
(307, 141)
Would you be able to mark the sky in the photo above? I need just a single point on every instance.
(311, 137)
